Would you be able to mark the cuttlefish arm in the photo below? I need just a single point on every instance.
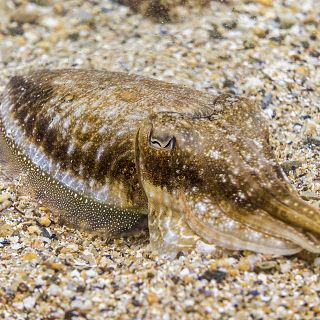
(171, 232)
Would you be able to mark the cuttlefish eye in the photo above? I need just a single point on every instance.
(161, 140)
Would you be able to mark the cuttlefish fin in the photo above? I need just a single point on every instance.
(72, 208)
(11, 169)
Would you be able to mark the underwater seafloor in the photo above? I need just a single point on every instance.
(263, 49)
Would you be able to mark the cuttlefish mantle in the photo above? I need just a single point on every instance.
(109, 151)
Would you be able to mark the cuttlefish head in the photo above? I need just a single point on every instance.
(213, 178)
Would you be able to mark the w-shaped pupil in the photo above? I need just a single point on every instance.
(162, 144)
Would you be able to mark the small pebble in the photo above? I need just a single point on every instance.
(184, 272)
(30, 256)
(244, 265)
(267, 3)
(29, 302)
(54, 290)
(288, 166)
(287, 21)
(56, 266)
(217, 275)
(6, 230)
(285, 267)
(5, 201)
(49, 22)
(16, 246)
(311, 129)
(267, 100)
(34, 230)
(260, 32)
(4, 242)
(315, 141)
(309, 195)
(265, 266)
(45, 221)
(230, 24)
(25, 14)
(152, 297)
(83, 16)
(70, 248)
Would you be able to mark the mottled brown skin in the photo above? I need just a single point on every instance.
(30, 110)
(259, 178)
(122, 146)
(36, 128)
(162, 10)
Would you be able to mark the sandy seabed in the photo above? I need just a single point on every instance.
(266, 50)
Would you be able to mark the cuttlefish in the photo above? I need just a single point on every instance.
(109, 151)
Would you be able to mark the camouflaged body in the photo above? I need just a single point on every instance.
(106, 150)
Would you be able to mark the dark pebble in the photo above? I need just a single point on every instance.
(106, 10)
(278, 39)
(315, 54)
(288, 166)
(74, 36)
(81, 289)
(70, 314)
(163, 31)
(214, 33)
(230, 24)
(175, 279)
(138, 284)
(216, 275)
(4, 241)
(267, 100)
(16, 30)
(180, 254)
(22, 287)
(254, 293)
(249, 44)
(136, 302)
(189, 309)
(313, 37)
(45, 232)
(315, 141)
(228, 83)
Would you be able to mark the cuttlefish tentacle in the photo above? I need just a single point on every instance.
(263, 222)
(279, 198)
(240, 237)
(267, 186)
(171, 231)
